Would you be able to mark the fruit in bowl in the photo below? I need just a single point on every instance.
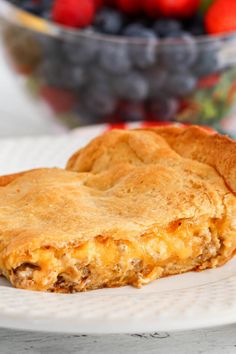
(98, 61)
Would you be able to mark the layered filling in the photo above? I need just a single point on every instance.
(107, 262)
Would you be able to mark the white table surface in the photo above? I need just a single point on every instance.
(17, 118)
(213, 341)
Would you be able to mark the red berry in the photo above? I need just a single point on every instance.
(209, 81)
(110, 2)
(61, 101)
(73, 13)
(129, 6)
(178, 8)
(151, 7)
(221, 17)
(98, 4)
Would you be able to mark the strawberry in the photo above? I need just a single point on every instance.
(151, 7)
(110, 2)
(178, 8)
(209, 81)
(74, 13)
(129, 6)
(98, 4)
(221, 17)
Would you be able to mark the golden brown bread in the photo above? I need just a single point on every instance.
(131, 207)
(194, 143)
(5, 180)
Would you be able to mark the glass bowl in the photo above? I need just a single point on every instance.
(86, 77)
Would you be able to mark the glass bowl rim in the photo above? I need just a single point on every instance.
(23, 19)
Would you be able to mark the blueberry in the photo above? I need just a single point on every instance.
(207, 62)
(178, 53)
(177, 35)
(53, 73)
(46, 14)
(156, 78)
(167, 27)
(80, 52)
(39, 8)
(131, 111)
(60, 74)
(98, 76)
(132, 86)
(180, 84)
(137, 30)
(114, 58)
(99, 100)
(109, 21)
(142, 54)
(47, 4)
(195, 25)
(33, 7)
(76, 76)
(51, 48)
(163, 109)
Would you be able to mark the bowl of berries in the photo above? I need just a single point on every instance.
(95, 61)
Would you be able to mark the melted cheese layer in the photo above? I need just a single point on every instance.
(108, 262)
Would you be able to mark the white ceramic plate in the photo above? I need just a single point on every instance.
(189, 301)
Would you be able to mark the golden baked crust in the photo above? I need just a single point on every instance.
(131, 207)
(5, 180)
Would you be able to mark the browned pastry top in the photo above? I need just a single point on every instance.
(128, 183)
